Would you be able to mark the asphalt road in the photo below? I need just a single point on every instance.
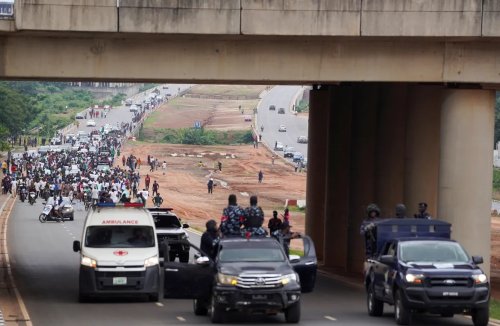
(46, 272)
(122, 113)
(281, 97)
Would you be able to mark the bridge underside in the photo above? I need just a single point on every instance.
(397, 143)
(246, 59)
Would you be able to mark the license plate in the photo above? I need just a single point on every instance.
(259, 297)
(119, 281)
(450, 294)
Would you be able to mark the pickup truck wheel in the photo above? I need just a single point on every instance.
(401, 313)
(292, 313)
(480, 317)
(200, 307)
(216, 312)
(374, 305)
(154, 297)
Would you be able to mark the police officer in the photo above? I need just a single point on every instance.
(401, 211)
(209, 238)
(422, 211)
(232, 218)
(254, 218)
(368, 229)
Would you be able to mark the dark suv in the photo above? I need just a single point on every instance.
(169, 227)
(248, 275)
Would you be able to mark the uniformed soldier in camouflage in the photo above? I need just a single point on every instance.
(232, 219)
(254, 218)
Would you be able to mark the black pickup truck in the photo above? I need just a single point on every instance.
(248, 275)
(413, 265)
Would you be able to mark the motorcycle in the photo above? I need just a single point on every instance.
(48, 215)
(22, 194)
(32, 197)
(66, 212)
(46, 194)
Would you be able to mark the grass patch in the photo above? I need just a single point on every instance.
(495, 309)
(297, 252)
(191, 136)
(303, 106)
(296, 209)
(496, 183)
(230, 90)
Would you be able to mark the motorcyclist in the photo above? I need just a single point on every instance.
(56, 206)
(157, 200)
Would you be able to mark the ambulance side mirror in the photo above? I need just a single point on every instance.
(76, 246)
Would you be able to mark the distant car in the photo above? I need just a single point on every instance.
(165, 87)
(248, 118)
(69, 137)
(128, 102)
(55, 141)
(281, 111)
(302, 139)
(91, 123)
(272, 108)
(282, 128)
(133, 108)
(79, 116)
(168, 94)
(298, 157)
(279, 146)
(288, 152)
(43, 149)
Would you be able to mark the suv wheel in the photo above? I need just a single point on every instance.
(200, 307)
(216, 312)
(401, 313)
(154, 297)
(480, 317)
(374, 305)
(292, 313)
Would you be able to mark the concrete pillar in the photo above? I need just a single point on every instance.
(466, 167)
(391, 143)
(319, 108)
(362, 190)
(337, 194)
(422, 147)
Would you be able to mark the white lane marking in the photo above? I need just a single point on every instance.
(181, 318)
(159, 304)
(330, 318)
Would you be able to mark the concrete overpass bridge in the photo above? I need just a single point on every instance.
(402, 109)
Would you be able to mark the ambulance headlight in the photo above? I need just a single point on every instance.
(89, 262)
(151, 261)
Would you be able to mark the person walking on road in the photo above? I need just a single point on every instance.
(261, 176)
(147, 180)
(274, 223)
(156, 187)
(208, 239)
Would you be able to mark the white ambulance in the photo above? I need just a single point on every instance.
(119, 253)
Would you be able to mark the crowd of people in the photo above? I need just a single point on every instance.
(246, 222)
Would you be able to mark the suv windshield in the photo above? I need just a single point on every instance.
(237, 255)
(166, 221)
(432, 251)
(118, 236)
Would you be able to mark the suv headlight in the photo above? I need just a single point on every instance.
(87, 261)
(285, 279)
(415, 278)
(227, 279)
(480, 278)
(151, 261)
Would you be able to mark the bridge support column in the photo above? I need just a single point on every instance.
(316, 166)
(465, 171)
(338, 179)
(362, 190)
(422, 147)
(391, 134)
